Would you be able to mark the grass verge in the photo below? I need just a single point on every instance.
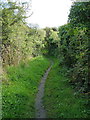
(18, 94)
(60, 100)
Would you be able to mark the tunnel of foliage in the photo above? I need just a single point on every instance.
(69, 43)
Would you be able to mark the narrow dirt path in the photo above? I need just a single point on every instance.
(40, 111)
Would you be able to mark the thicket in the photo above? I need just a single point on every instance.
(74, 48)
(19, 41)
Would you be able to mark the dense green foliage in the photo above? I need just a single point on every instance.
(74, 52)
(60, 100)
(51, 41)
(18, 40)
(80, 14)
(69, 43)
(20, 91)
(74, 39)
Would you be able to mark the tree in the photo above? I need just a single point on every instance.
(80, 14)
(12, 16)
(74, 38)
(51, 41)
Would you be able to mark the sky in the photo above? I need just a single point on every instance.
(50, 13)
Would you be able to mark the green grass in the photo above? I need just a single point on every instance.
(19, 92)
(60, 99)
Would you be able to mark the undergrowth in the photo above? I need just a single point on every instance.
(19, 91)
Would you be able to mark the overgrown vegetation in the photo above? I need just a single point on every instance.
(69, 43)
(74, 49)
(19, 41)
(60, 100)
(19, 92)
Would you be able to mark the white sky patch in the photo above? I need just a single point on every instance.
(50, 13)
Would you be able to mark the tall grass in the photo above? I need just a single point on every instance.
(60, 100)
(19, 92)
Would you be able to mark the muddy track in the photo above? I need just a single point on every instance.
(40, 110)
